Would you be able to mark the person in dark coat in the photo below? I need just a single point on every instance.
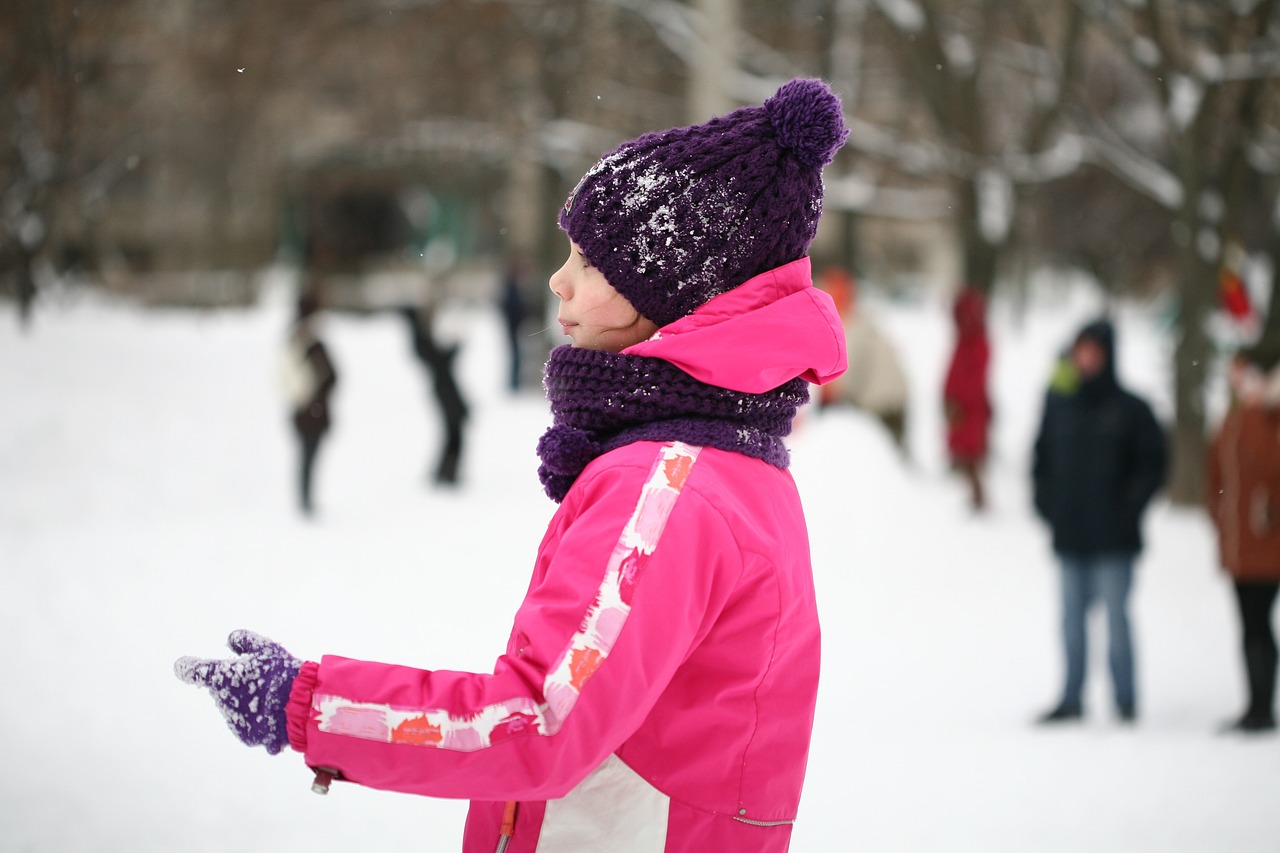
(514, 309)
(439, 362)
(1098, 460)
(966, 402)
(309, 378)
(1242, 496)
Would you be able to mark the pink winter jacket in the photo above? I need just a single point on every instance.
(658, 687)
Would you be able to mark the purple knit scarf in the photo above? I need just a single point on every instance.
(601, 401)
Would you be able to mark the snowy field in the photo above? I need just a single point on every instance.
(147, 508)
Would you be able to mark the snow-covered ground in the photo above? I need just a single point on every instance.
(146, 508)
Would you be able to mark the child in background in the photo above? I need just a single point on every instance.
(965, 399)
(658, 689)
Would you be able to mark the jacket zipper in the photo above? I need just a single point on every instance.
(508, 828)
(751, 822)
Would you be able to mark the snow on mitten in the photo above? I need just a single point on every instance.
(251, 690)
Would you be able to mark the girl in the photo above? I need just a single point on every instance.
(658, 688)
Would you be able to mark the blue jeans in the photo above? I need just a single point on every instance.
(1085, 580)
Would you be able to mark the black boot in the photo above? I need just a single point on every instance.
(1260, 665)
(1065, 713)
(1251, 723)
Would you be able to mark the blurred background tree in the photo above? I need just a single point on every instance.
(171, 149)
(1195, 131)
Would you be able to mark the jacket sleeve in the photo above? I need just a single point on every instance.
(1150, 459)
(603, 627)
(1213, 477)
(1041, 482)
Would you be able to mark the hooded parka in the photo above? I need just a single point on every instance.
(1099, 458)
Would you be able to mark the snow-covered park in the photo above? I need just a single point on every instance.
(147, 508)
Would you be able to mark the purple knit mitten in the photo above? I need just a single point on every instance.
(251, 690)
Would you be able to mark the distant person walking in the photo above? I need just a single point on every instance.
(309, 378)
(1243, 499)
(514, 307)
(1098, 460)
(439, 362)
(875, 382)
(965, 398)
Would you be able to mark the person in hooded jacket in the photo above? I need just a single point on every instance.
(658, 688)
(1098, 460)
(1242, 496)
(965, 398)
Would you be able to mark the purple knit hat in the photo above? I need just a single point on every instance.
(678, 217)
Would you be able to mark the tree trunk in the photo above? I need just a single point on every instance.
(1197, 289)
(714, 61)
(981, 257)
(1270, 334)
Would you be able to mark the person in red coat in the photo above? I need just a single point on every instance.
(965, 399)
(1242, 496)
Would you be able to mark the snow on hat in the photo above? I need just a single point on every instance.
(675, 218)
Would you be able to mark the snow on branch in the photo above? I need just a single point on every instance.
(1186, 94)
(1057, 161)
(1141, 173)
(1243, 66)
(862, 194)
(912, 155)
(906, 15)
(672, 23)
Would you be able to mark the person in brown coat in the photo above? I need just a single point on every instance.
(1243, 500)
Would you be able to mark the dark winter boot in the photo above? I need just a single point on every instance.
(1252, 723)
(1064, 713)
(1260, 665)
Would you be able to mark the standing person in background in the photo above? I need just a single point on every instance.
(309, 378)
(439, 362)
(658, 687)
(1098, 460)
(875, 381)
(1242, 497)
(514, 309)
(965, 398)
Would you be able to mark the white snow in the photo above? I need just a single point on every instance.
(1186, 94)
(995, 205)
(147, 510)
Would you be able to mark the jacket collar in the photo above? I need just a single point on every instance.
(770, 329)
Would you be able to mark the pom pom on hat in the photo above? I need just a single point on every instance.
(675, 218)
(809, 123)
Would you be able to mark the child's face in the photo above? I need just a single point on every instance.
(592, 314)
(1246, 381)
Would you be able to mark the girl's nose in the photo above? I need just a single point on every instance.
(557, 284)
